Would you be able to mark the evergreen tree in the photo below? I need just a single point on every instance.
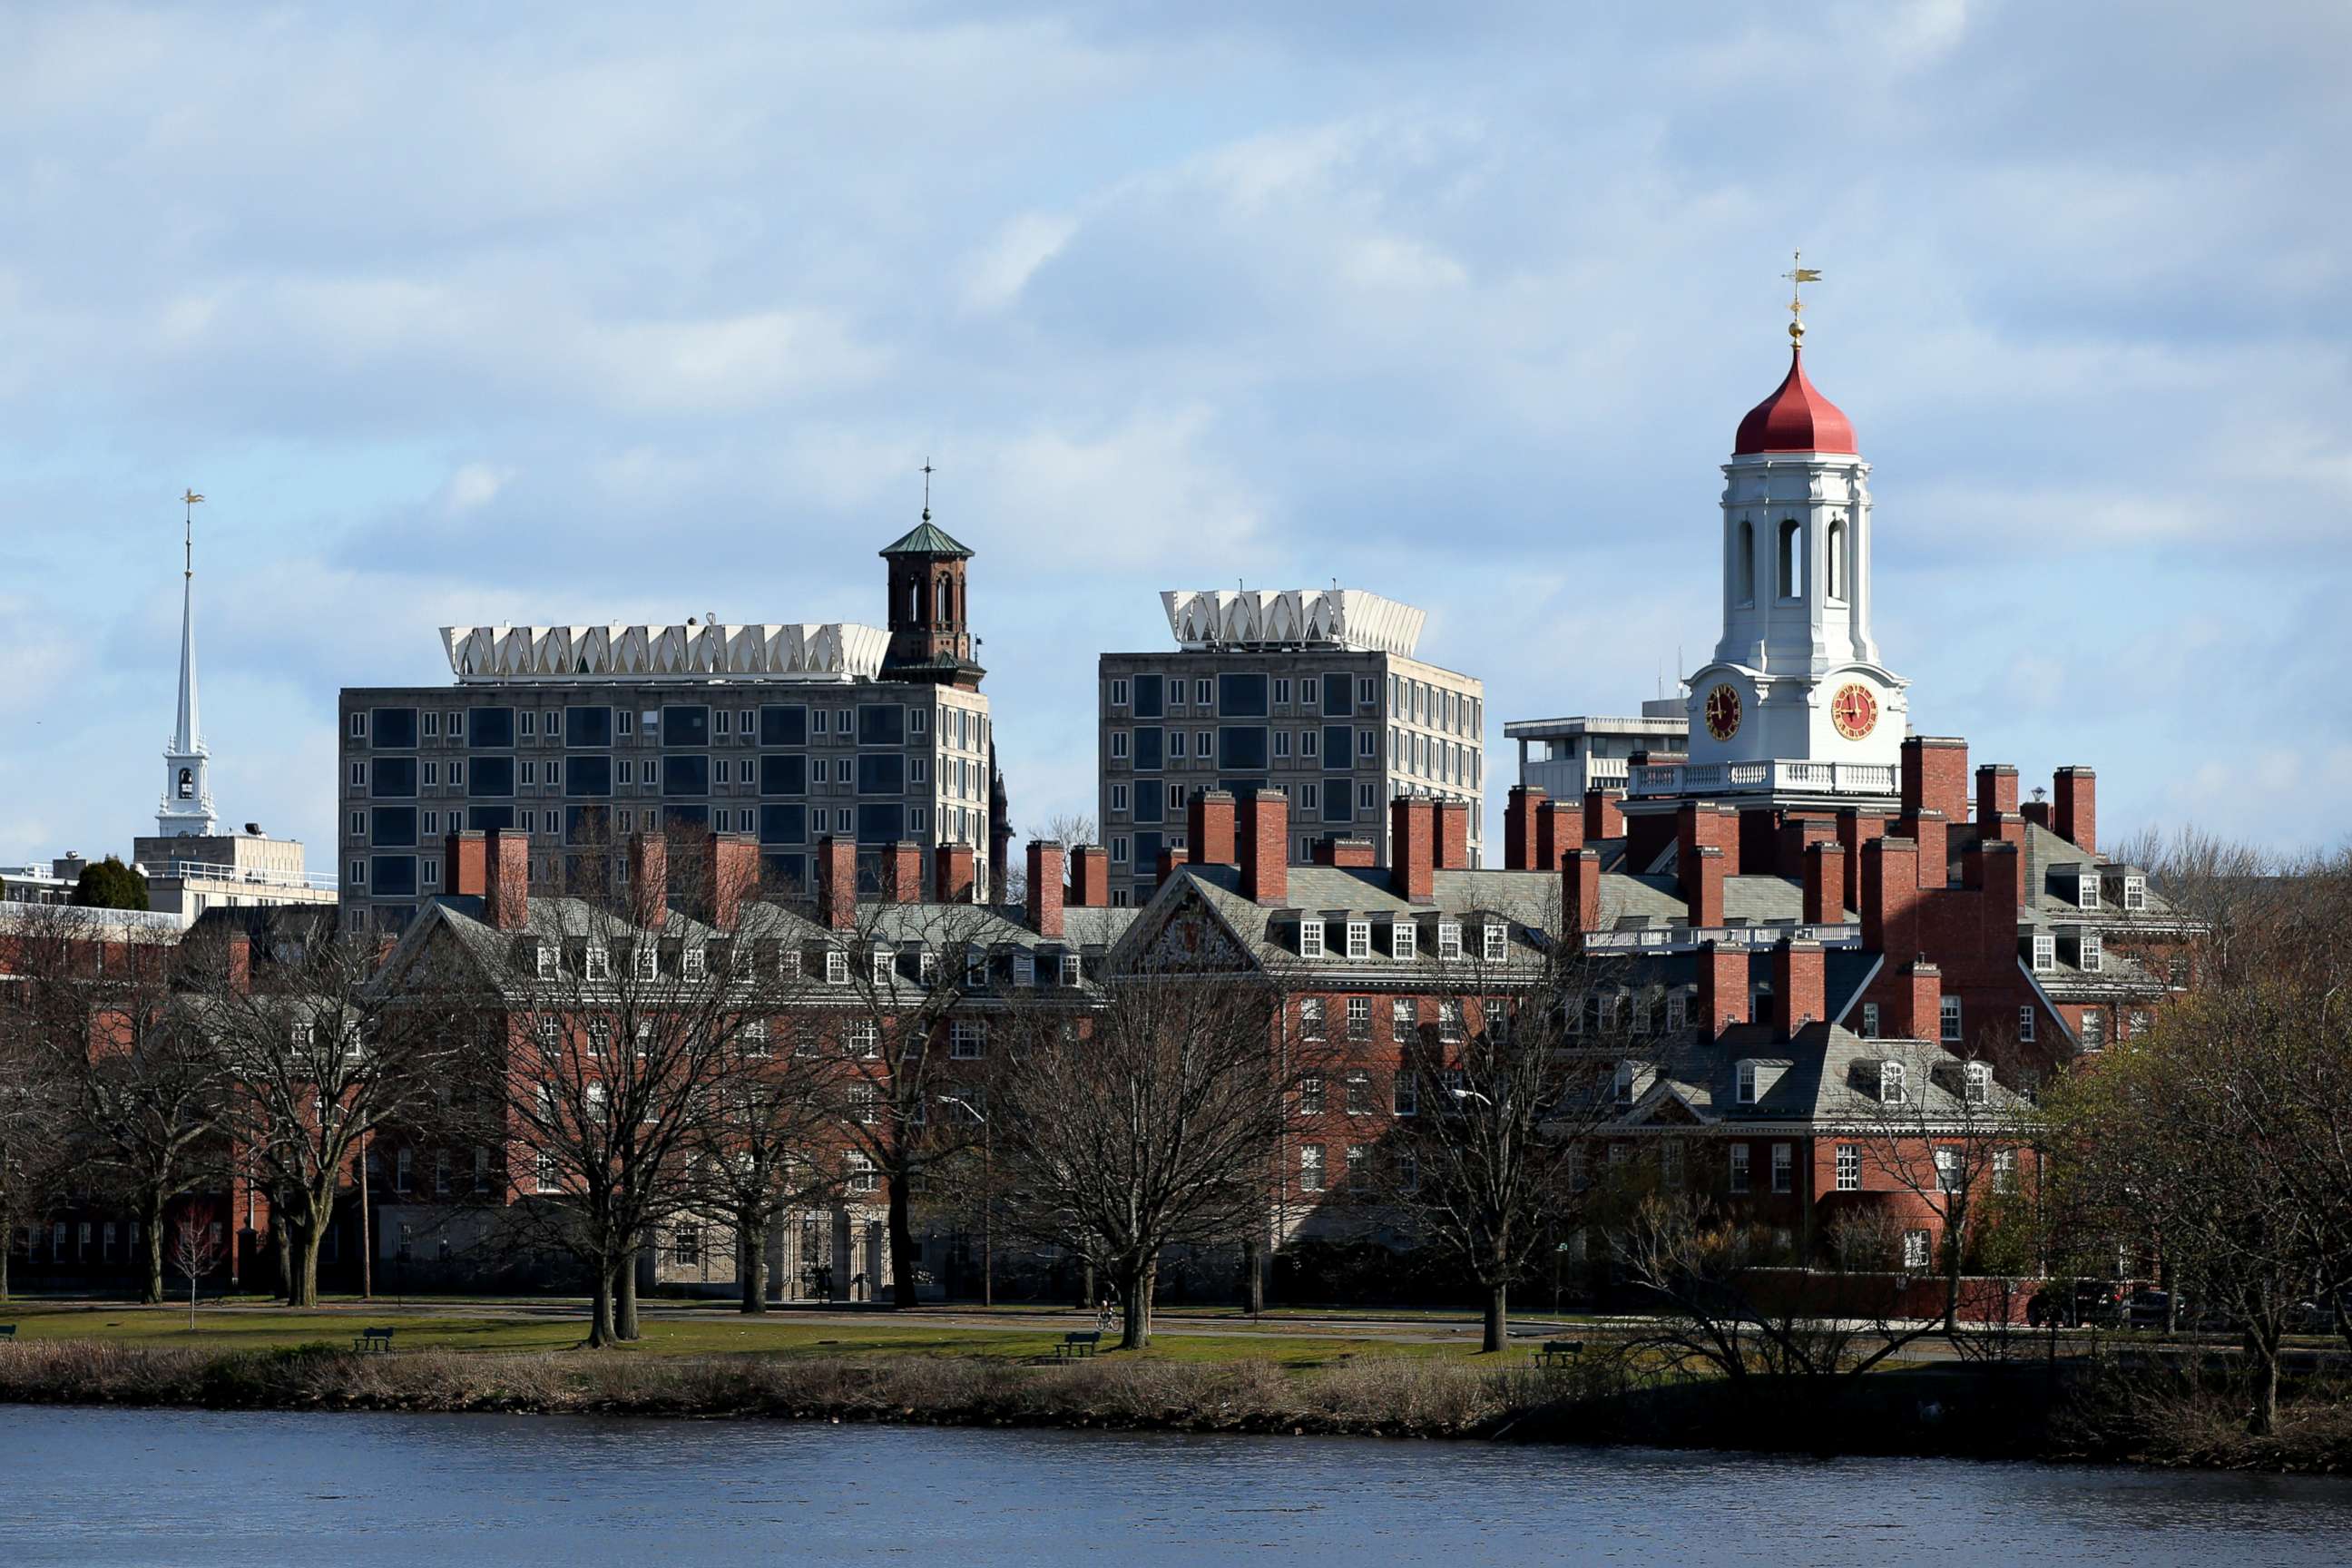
(111, 885)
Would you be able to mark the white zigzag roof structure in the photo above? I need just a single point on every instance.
(1332, 617)
(835, 650)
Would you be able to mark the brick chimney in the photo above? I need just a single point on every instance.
(1890, 898)
(1997, 867)
(465, 864)
(951, 873)
(648, 880)
(1170, 856)
(1089, 877)
(1602, 819)
(1579, 890)
(1331, 850)
(1935, 775)
(1722, 988)
(1521, 808)
(1559, 833)
(2036, 812)
(1046, 888)
(734, 874)
(836, 881)
(1701, 824)
(237, 963)
(1918, 1001)
(1454, 836)
(1412, 849)
(1824, 883)
(506, 883)
(1211, 822)
(1853, 831)
(1704, 891)
(1996, 797)
(1265, 833)
(902, 872)
(1932, 833)
(1800, 988)
(2075, 807)
(1797, 835)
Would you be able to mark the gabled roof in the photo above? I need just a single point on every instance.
(1827, 1074)
(927, 538)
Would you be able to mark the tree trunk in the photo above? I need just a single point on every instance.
(282, 1243)
(5, 1243)
(902, 1242)
(599, 1323)
(302, 1269)
(2262, 1340)
(1253, 1278)
(1086, 1294)
(1135, 1323)
(751, 1252)
(625, 1300)
(1498, 1319)
(151, 1214)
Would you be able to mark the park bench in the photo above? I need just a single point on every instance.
(1076, 1346)
(1558, 1352)
(378, 1340)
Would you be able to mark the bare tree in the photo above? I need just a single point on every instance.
(195, 1252)
(1151, 1124)
(34, 1158)
(762, 1147)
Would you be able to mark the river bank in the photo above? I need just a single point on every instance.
(2016, 1412)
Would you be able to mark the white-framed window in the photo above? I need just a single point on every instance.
(1310, 1094)
(1282, 691)
(648, 961)
(2004, 1169)
(1404, 1018)
(1948, 1013)
(456, 775)
(836, 966)
(1176, 743)
(432, 774)
(865, 1038)
(1204, 745)
(1892, 1087)
(1309, 742)
(1449, 1019)
(1747, 1071)
(548, 1180)
(1360, 1018)
(2046, 950)
(1118, 745)
(2135, 893)
(2086, 889)
(359, 725)
(2093, 956)
(1403, 936)
(1494, 942)
(543, 960)
(1739, 1167)
(1677, 1010)
(1310, 1167)
(1118, 797)
(2135, 1023)
(862, 1177)
(1405, 1093)
(2095, 1030)
(1626, 1073)
(1024, 969)
(1282, 742)
(1849, 1167)
(1976, 1083)
(2025, 1025)
(1311, 1018)
(1118, 692)
(1358, 1087)
(1449, 940)
(1914, 1249)
(1310, 938)
(1947, 1170)
(595, 961)
(919, 721)
(1360, 939)
(359, 824)
(1367, 692)
(1784, 1167)
(1073, 969)
(967, 1039)
(863, 1100)
(359, 775)
(1204, 695)
(1870, 1020)
(886, 967)
(1119, 851)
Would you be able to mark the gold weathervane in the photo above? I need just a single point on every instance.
(1797, 276)
(189, 500)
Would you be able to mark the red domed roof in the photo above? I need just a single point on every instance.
(1795, 418)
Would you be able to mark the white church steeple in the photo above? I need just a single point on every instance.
(187, 805)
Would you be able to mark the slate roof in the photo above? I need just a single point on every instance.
(925, 538)
(1826, 1075)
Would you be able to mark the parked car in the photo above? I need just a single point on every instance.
(2076, 1303)
(2154, 1310)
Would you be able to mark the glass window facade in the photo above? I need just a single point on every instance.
(588, 726)
(686, 724)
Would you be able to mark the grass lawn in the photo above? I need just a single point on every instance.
(454, 1327)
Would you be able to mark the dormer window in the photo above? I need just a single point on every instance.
(595, 963)
(836, 966)
(1073, 969)
(1626, 1074)
(1360, 939)
(1310, 938)
(1449, 940)
(2093, 959)
(884, 966)
(1976, 1083)
(1494, 944)
(646, 961)
(2046, 950)
(975, 969)
(2135, 893)
(926, 966)
(2086, 889)
(1892, 1087)
(543, 960)
(1747, 1083)
(690, 963)
(1678, 1013)
(1402, 938)
(1024, 969)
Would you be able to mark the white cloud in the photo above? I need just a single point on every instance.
(1005, 265)
(475, 485)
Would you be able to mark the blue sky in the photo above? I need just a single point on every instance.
(568, 313)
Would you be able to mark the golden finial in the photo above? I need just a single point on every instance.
(1797, 276)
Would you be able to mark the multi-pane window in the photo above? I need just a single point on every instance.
(862, 1177)
(1492, 943)
(1353, 1173)
(1849, 1167)
(1407, 1094)
(1784, 1167)
(1310, 1094)
(1947, 1170)
(1892, 1087)
(1311, 1018)
(1310, 939)
(1449, 1019)
(1310, 1167)
(1449, 940)
(1403, 936)
(2025, 1025)
(2095, 1030)
(2093, 959)
(1914, 1249)
(2045, 950)
(967, 1039)
(865, 1038)
(1870, 1020)
(836, 966)
(1404, 1017)
(1360, 1092)
(2004, 1169)
(1747, 1071)
(1360, 1018)
(1360, 939)
(1976, 1083)
(2135, 893)
(1739, 1167)
(1948, 1015)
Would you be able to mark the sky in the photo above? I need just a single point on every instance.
(575, 313)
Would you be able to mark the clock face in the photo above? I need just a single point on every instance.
(1854, 710)
(1723, 712)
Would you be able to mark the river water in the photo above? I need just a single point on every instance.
(123, 1486)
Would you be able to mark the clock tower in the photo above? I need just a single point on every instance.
(1796, 677)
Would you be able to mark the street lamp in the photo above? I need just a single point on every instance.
(988, 1199)
(1471, 1094)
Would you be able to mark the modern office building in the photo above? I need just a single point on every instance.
(1566, 757)
(1316, 692)
(583, 735)
(187, 874)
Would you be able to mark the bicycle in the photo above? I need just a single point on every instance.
(1106, 1317)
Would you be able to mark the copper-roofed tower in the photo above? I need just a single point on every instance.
(930, 626)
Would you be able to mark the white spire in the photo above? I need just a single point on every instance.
(187, 804)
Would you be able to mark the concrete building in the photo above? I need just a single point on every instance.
(583, 735)
(1315, 692)
(188, 874)
(1566, 758)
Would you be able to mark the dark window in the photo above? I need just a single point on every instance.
(588, 776)
(1338, 694)
(492, 727)
(784, 825)
(394, 727)
(1336, 806)
(789, 872)
(489, 818)
(489, 778)
(686, 775)
(1150, 802)
(784, 775)
(686, 724)
(587, 726)
(881, 824)
(783, 726)
(1241, 789)
(393, 778)
(587, 825)
(391, 876)
(1241, 746)
(394, 827)
(881, 724)
(678, 817)
(1147, 851)
(1147, 741)
(881, 773)
(1240, 696)
(1148, 690)
(1338, 746)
